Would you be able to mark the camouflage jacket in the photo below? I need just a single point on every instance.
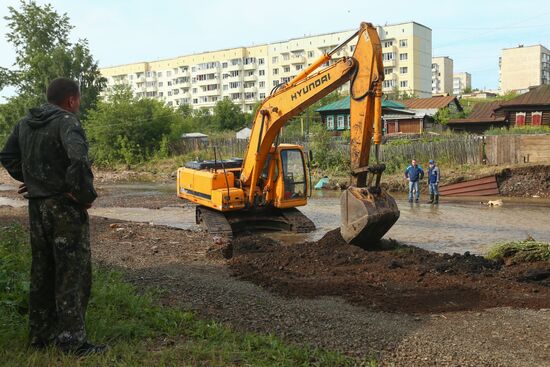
(48, 151)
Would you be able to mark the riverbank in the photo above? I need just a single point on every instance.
(403, 305)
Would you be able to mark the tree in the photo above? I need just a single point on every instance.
(127, 129)
(43, 52)
(228, 116)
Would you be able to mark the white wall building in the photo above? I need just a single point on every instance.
(246, 75)
(442, 75)
(461, 82)
(523, 67)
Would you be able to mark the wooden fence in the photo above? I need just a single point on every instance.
(509, 149)
(455, 150)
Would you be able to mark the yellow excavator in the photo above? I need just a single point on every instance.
(264, 189)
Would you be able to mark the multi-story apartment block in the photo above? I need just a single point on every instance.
(442, 75)
(461, 82)
(246, 75)
(523, 67)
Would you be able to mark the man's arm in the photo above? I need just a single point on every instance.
(10, 156)
(407, 172)
(437, 174)
(79, 177)
(421, 172)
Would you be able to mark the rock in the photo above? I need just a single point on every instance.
(534, 275)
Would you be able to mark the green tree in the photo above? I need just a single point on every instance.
(126, 129)
(44, 52)
(228, 116)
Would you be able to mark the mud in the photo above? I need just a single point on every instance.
(394, 277)
(525, 181)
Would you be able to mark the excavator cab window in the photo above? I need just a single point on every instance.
(294, 174)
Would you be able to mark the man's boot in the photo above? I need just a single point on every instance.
(436, 199)
(431, 199)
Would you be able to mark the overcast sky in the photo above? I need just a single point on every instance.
(472, 33)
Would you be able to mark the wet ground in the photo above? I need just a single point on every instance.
(455, 225)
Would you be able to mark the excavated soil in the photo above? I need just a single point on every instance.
(393, 278)
(525, 181)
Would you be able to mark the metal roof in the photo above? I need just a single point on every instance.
(482, 112)
(431, 103)
(344, 103)
(536, 96)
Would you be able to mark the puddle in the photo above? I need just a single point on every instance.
(170, 216)
(456, 225)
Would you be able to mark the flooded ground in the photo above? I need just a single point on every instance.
(456, 225)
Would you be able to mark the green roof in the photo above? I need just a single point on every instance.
(343, 105)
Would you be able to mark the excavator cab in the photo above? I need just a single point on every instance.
(289, 176)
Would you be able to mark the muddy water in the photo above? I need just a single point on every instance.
(456, 225)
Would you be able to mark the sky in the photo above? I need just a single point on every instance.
(472, 33)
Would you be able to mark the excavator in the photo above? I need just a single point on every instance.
(264, 189)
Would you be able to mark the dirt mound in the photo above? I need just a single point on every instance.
(393, 277)
(525, 181)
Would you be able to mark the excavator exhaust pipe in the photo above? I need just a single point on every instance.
(366, 215)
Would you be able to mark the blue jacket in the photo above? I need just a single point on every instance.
(414, 174)
(433, 175)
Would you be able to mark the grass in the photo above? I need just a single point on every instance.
(138, 330)
(520, 251)
(517, 130)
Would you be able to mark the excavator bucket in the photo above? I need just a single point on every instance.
(366, 215)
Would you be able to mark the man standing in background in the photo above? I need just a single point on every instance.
(48, 152)
(433, 182)
(414, 174)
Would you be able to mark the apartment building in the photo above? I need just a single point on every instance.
(523, 67)
(246, 75)
(461, 82)
(442, 75)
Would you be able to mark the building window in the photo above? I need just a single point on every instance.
(299, 67)
(275, 82)
(195, 100)
(388, 71)
(160, 84)
(402, 43)
(286, 69)
(286, 57)
(310, 54)
(261, 84)
(388, 83)
(340, 121)
(275, 71)
(262, 95)
(388, 44)
(536, 118)
(274, 59)
(261, 61)
(520, 118)
(387, 56)
(261, 72)
(403, 70)
(403, 57)
(169, 93)
(403, 83)
(330, 122)
(348, 122)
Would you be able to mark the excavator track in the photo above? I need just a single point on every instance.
(213, 221)
(266, 219)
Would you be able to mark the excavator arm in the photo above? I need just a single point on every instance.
(365, 72)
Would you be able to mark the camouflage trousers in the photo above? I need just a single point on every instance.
(60, 273)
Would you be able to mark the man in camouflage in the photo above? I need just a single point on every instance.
(48, 152)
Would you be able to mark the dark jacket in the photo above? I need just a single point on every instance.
(433, 175)
(414, 174)
(47, 150)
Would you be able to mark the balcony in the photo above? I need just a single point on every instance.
(253, 89)
(390, 63)
(250, 78)
(298, 59)
(234, 67)
(250, 66)
(215, 80)
(214, 92)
